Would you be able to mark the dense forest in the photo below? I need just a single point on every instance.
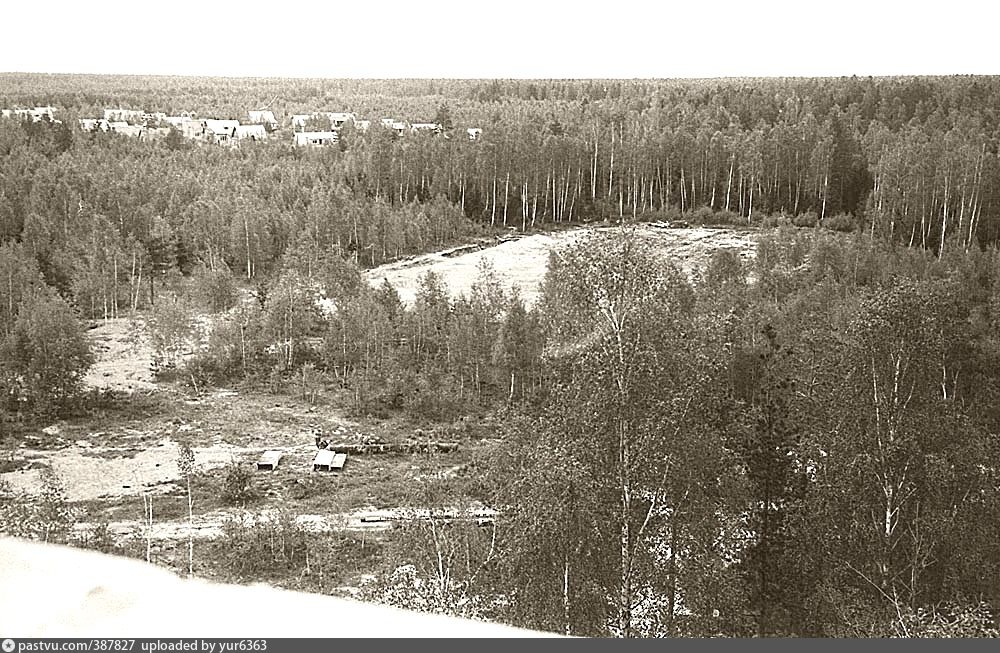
(803, 445)
(910, 160)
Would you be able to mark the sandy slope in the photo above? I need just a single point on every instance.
(123, 357)
(522, 262)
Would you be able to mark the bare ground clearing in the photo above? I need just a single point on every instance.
(123, 357)
(522, 262)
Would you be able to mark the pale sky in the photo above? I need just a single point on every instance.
(502, 38)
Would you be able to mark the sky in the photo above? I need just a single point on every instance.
(503, 38)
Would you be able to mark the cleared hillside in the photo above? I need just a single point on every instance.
(522, 262)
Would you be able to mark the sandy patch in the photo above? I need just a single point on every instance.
(522, 262)
(123, 357)
(91, 473)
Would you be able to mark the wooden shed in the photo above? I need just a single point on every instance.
(269, 460)
(328, 461)
(323, 462)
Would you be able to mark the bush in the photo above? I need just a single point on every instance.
(217, 289)
(724, 267)
(262, 546)
(238, 489)
(10, 450)
(839, 222)
(948, 621)
(99, 538)
(434, 397)
(807, 219)
(727, 217)
(703, 215)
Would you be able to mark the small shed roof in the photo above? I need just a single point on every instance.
(269, 459)
(324, 458)
(339, 460)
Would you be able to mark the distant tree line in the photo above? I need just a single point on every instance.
(911, 160)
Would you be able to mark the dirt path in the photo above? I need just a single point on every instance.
(210, 525)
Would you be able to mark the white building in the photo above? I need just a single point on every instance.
(192, 129)
(315, 138)
(474, 133)
(125, 129)
(219, 131)
(263, 117)
(431, 127)
(299, 120)
(398, 125)
(34, 115)
(250, 132)
(90, 124)
(177, 121)
(339, 119)
(123, 115)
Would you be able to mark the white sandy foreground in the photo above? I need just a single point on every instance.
(522, 262)
(54, 591)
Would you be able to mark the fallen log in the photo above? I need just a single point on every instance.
(404, 447)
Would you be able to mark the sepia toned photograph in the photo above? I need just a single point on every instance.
(492, 320)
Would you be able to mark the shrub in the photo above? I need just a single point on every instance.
(839, 222)
(703, 215)
(949, 621)
(263, 546)
(10, 449)
(217, 289)
(47, 517)
(724, 267)
(238, 489)
(807, 219)
(99, 537)
(727, 217)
